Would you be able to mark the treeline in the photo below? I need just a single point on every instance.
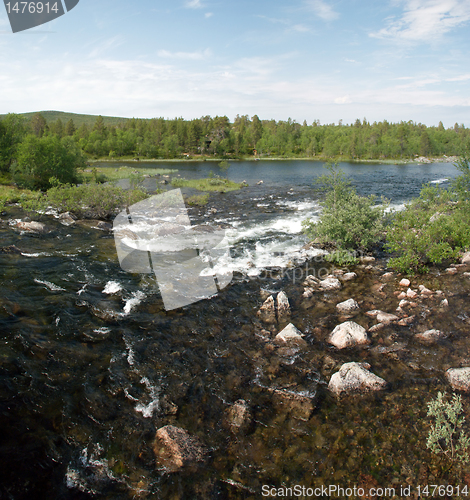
(244, 137)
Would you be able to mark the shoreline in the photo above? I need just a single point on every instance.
(388, 161)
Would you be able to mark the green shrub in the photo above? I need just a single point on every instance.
(347, 220)
(446, 435)
(432, 229)
(40, 159)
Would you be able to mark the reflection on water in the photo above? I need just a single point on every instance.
(92, 365)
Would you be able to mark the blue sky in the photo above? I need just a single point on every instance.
(303, 59)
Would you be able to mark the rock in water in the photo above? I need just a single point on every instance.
(175, 448)
(430, 336)
(283, 307)
(347, 306)
(330, 284)
(348, 334)
(290, 334)
(32, 227)
(10, 249)
(459, 378)
(349, 276)
(466, 258)
(238, 416)
(266, 312)
(354, 377)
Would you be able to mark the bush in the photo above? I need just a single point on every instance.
(40, 159)
(432, 229)
(446, 435)
(349, 221)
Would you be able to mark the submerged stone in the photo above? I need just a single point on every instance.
(238, 416)
(430, 336)
(175, 448)
(459, 378)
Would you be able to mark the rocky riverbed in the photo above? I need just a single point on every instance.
(311, 374)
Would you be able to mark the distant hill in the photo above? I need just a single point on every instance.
(52, 116)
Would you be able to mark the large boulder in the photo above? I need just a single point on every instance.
(355, 377)
(175, 449)
(348, 334)
(459, 378)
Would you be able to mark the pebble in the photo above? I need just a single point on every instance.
(430, 336)
(405, 282)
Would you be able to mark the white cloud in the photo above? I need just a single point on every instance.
(460, 78)
(194, 4)
(322, 9)
(208, 14)
(194, 56)
(426, 20)
(301, 28)
(343, 100)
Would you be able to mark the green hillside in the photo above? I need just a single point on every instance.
(78, 119)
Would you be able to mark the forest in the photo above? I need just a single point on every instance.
(161, 138)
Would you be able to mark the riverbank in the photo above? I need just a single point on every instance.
(393, 161)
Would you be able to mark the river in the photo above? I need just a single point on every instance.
(91, 364)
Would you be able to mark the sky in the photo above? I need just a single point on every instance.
(301, 59)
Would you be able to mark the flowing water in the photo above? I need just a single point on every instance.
(92, 365)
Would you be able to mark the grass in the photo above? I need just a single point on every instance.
(109, 174)
(11, 194)
(197, 200)
(210, 184)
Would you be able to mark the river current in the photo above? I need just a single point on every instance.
(91, 364)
